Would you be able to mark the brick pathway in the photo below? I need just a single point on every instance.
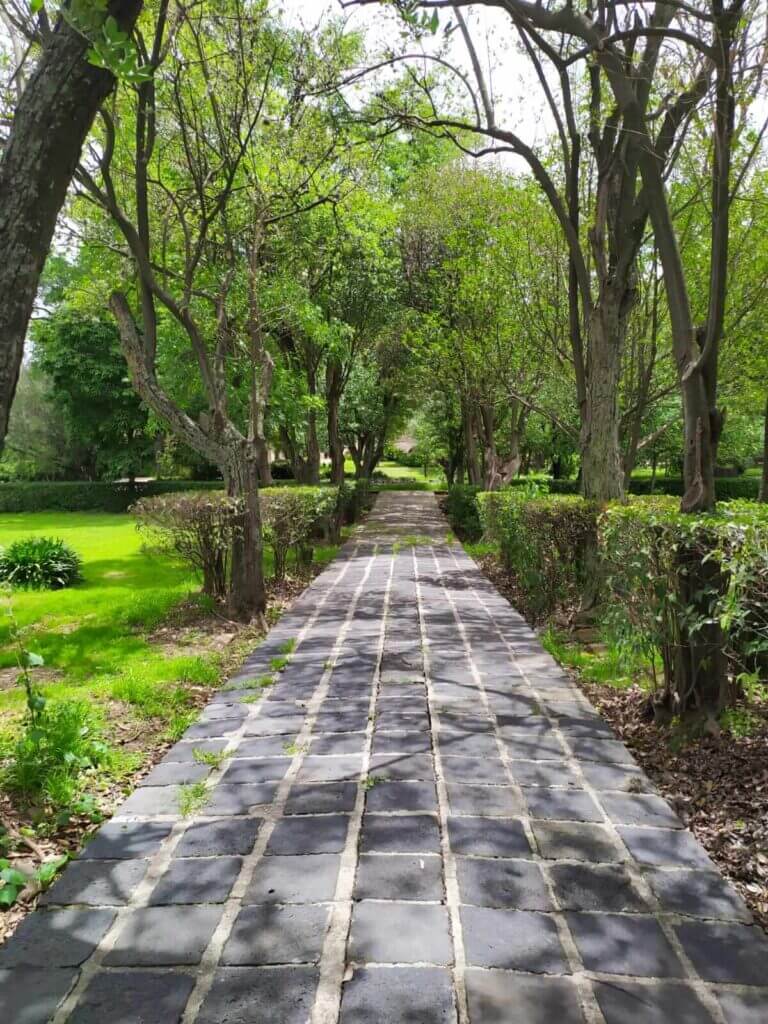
(423, 822)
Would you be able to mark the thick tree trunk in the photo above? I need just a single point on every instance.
(470, 446)
(601, 477)
(247, 594)
(333, 399)
(764, 481)
(49, 127)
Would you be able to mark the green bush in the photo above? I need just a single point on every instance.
(55, 749)
(652, 553)
(90, 496)
(463, 512)
(727, 488)
(548, 544)
(40, 563)
(293, 516)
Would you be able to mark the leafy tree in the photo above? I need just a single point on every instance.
(91, 390)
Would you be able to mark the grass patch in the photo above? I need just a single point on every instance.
(192, 798)
(608, 664)
(212, 758)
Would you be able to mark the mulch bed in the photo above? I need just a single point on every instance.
(717, 785)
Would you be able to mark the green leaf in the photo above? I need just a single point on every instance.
(32, 660)
(35, 6)
(8, 895)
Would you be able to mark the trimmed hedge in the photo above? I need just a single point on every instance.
(90, 496)
(734, 488)
(461, 507)
(547, 542)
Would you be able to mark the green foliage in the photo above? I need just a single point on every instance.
(13, 881)
(652, 552)
(48, 760)
(547, 542)
(88, 496)
(192, 798)
(292, 517)
(40, 563)
(463, 512)
(727, 488)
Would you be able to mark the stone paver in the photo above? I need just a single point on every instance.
(422, 822)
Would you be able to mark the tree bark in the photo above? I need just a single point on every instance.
(247, 595)
(602, 478)
(764, 480)
(50, 125)
(333, 390)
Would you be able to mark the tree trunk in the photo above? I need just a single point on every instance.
(470, 446)
(764, 480)
(247, 594)
(335, 444)
(601, 476)
(49, 127)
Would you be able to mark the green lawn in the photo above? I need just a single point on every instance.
(95, 634)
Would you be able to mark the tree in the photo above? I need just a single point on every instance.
(198, 175)
(49, 126)
(90, 388)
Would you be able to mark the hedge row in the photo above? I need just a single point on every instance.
(90, 496)
(660, 577)
(728, 488)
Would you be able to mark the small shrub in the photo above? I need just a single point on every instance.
(200, 527)
(40, 563)
(463, 513)
(662, 601)
(49, 758)
(292, 516)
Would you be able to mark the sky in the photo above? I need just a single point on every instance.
(517, 98)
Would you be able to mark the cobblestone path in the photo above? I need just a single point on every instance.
(423, 822)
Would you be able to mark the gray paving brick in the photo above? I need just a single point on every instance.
(97, 883)
(310, 878)
(309, 834)
(56, 938)
(625, 778)
(164, 936)
(240, 798)
(743, 1007)
(248, 995)
(382, 876)
(562, 805)
(30, 995)
(534, 748)
(270, 934)
(395, 995)
(501, 997)
(400, 933)
(226, 836)
(515, 884)
(589, 887)
(576, 841)
(125, 997)
(244, 770)
(346, 768)
(698, 894)
(545, 773)
(176, 773)
(402, 766)
(405, 720)
(473, 744)
(286, 726)
(619, 944)
(401, 742)
(341, 721)
(122, 840)
(657, 1003)
(488, 837)
(485, 801)
(512, 939)
(639, 809)
(402, 796)
(213, 728)
(196, 881)
(474, 769)
(184, 750)
(321, 798)
(410, 833)
(151, 800)
(735, 954)
(661, 846)
(604, 751)
(338, 743)
(264, 746)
